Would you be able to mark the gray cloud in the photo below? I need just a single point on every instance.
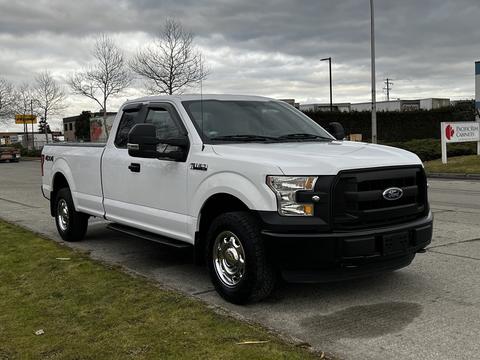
(264, 47)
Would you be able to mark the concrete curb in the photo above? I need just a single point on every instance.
(454, 176)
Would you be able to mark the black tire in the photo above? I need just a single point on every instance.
(76, 227)
(258, 277)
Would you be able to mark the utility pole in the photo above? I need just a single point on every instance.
(374, 100)
(388, 86)
(33, 135)
(330, 72)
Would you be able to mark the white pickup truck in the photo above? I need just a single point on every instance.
(254, 186)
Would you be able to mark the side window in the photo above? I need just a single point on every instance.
(129, 118)
(163, 121)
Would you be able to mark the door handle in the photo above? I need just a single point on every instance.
(134, 167)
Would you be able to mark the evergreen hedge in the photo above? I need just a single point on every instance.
(395, 126)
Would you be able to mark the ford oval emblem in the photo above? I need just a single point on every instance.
(393, 193)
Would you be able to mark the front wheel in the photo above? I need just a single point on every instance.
(71, 224)
(237, 259)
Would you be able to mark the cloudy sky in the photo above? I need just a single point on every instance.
(261, 47)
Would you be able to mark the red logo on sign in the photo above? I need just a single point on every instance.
(449, 132)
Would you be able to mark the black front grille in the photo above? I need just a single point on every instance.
(358, 200)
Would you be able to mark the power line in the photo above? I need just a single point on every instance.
(388, 87)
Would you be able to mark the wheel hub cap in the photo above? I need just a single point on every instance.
(62, 214)
(228, 258)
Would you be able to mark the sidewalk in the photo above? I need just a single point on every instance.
(454, 176)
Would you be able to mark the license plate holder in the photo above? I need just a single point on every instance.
(395, 243)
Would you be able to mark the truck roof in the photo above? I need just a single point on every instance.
(189, 97)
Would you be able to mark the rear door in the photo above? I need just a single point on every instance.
(147, 193)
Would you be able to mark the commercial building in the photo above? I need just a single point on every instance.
(342, 107)
(393, 105)
(403, 105)
(35, 140)
(291, 102)
(69, 128)
(97, 129)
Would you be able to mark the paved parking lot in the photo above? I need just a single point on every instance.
(430, 310)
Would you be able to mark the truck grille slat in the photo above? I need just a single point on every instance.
(358, 197)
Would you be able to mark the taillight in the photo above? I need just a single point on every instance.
(41, 162)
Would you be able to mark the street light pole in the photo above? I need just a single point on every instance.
(330, 72)
(374, 100)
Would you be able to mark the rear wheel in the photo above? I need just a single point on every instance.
(236, 258)
(71, 224)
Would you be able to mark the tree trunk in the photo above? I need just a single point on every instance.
(105, 117)
(45, 127)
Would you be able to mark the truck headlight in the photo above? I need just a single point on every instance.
(285, 188)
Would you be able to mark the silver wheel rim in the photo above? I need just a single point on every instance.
(228, 258)
(62, 215)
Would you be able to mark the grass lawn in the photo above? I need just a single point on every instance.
(90, 311)
(469, 164)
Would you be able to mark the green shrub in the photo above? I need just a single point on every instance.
(430, 149)
(394, 126)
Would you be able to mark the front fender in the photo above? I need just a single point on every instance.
(254, 196)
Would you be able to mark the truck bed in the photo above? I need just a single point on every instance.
(80, 164)
(78, 144)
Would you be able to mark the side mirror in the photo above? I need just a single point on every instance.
(142, 142)
(337, 130)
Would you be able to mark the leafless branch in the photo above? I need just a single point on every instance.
(49, 97)
(108, 76)
(7, 101)
(172, 63)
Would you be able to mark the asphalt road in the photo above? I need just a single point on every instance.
(430, 310)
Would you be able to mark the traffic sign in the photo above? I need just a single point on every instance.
(25, 119)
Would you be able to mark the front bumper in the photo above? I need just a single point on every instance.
(329, 256)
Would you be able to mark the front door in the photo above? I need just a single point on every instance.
(147, 193)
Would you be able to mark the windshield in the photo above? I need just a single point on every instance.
(241, 121)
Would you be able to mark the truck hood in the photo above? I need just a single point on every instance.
(326, 158)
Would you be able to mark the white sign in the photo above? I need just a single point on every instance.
(455, 132)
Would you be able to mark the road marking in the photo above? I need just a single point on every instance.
(456, 255)
(454, 243)
(20, 203)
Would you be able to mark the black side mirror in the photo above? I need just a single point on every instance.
(142, 141)
(337, 130)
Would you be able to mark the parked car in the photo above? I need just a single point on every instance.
(254, 186)
(8, 153)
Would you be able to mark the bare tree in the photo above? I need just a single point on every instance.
(7, 101)
(171, 63)
(24, 99)
(108, 76)
(49, 97)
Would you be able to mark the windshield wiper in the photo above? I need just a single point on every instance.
(243, 138)
(303, 136)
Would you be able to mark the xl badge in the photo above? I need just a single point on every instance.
(198, 166)
(393, 193)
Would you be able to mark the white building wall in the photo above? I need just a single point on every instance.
(433, 103)
(381, 106)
